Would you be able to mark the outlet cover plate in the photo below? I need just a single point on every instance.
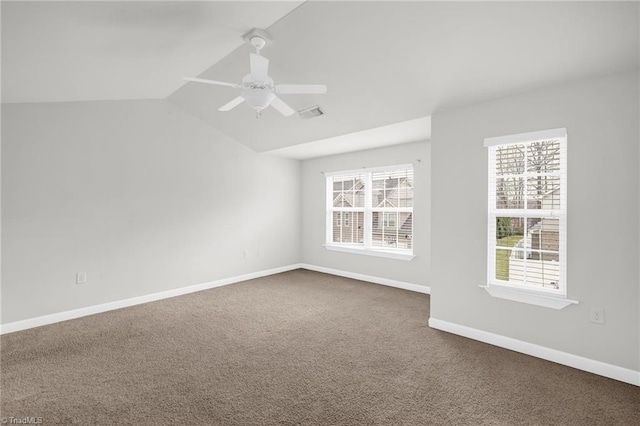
(596, 315)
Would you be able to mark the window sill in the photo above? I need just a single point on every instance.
(368, 252)
(523, 296)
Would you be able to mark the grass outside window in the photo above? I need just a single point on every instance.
(502, 256)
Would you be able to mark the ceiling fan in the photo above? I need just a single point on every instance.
(257, 88)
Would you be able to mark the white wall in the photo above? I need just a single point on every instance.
(138, 194)
(416, 271)
(601, 116)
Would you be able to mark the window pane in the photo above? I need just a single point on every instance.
(510, 160)
(543, 156)
(541, 233)
(543, 192)
(405, 230)
(392, 229)
(510, 193)
(392, 189)
(504, 272)
(390, 197)
(512, 248)
(348, 227)
(545, 235)
(405, 190)
(543, 273)
(531, 260)
(514, 263)
(348, 191)
(509, 231)
(379, 233)
(357, 195)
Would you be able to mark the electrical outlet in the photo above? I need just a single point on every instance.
(81, 278)
(246, 254)
(596, 315)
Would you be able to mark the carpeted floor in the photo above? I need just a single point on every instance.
(295, 348)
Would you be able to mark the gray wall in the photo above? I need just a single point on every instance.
(416, 271)
(138, 194)
(601, 116)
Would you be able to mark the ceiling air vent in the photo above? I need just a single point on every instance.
(311, 112)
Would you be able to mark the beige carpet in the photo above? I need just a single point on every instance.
(294, 348)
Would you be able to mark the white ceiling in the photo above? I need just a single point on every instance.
(388, 62)
(80, 51)
(415, 130)
(384, 62)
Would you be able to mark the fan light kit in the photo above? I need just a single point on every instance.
(257, 88)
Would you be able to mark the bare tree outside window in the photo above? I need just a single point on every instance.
(527, 213)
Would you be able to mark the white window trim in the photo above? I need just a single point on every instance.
(550, 298)
(528, 296)
(366, 248)
(389, 254)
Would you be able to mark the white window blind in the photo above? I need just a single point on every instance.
(528, 211)
(371, 209)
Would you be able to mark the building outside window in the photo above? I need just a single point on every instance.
(371, 210)
(527, 212)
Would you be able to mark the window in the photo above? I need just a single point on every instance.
(527, 215)
(389, 220)
(342, 219)
(370, 211)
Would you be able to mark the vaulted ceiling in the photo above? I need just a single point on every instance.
(383, 62)
(81, 51)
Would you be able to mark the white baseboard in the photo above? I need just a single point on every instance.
(110, 306)
(96, 309)
(581, 363)
(575, 361)
(376, 280)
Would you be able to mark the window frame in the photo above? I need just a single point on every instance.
(366, 247)
(527, 293)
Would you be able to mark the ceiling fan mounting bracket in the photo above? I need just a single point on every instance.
(257, 88)
(258, 38)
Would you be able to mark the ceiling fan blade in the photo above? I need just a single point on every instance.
(219, 83)
(231, 105)
(259, 68)
(301, 89)
(283, 108)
